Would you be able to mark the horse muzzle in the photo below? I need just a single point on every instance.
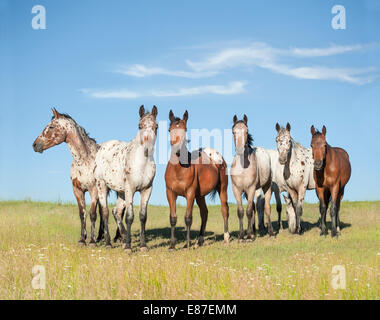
(282, 161)
(318, 165)
(38, 147)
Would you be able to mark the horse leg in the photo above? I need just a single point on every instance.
(333, 209)
(79, 195)
(172, 198)
(145, 195)
(341, 193)
(292, 220)
(117, 212)
(201, 202)
(118, 235)
(102, 192)
(129, 216)
(277, 196)
(251, 213)
(222, 190)
(240, 210)
(323, 196)
(267, 195)
(189, 216)
(94, 204)
(260, 208)
(101, 225)
(299, 207)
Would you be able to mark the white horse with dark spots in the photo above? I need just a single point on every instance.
(298, 171)
(63, 128)
(128, 167)
(250, 170)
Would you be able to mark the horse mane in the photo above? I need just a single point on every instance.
(82, 131)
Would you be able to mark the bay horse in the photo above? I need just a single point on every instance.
(332, 170)
(250, 170)
(63, 128)
(128, 167)
(298, 171)
(193, 176)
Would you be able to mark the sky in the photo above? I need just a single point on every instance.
(275, 61)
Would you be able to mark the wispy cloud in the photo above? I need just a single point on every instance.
(142, 71)
(324, 52)
(111, 94)
(267, 57)
(229, 89)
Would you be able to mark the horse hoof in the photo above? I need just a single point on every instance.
(108, 246)
(241, 240)
(92, 244)
(226, 237)
(81, 243)
(144, 249)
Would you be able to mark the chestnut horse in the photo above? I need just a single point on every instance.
(332, 170)
(193, 176)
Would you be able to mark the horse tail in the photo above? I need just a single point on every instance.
(212, 194)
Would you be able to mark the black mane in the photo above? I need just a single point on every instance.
(176, 119)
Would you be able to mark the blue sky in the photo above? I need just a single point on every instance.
(275, 61)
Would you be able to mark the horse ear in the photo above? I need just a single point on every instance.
(278, 127)
(245, 119)
(288, 126)
(142, 111)
(324, 131)
(56, 114)
(185, 116)
(235, 119)
(312, 130)
(154, 111)
(171, 116)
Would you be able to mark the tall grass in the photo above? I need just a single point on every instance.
(282, 267)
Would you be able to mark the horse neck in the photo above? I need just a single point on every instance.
(243, 158)
(181, 157)
(78, 147)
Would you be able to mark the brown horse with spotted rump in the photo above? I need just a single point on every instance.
(193, 176)
(332, 170)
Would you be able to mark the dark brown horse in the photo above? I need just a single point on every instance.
(193, 176)
(332, 170)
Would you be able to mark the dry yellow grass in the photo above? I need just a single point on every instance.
(285, 267)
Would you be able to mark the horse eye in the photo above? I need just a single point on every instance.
(51, 127)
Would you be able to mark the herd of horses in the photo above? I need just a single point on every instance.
(128, 167)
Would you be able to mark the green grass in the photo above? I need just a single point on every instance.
(285, 267)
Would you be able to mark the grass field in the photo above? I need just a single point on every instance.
(285, 267)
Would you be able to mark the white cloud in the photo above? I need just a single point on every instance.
(324, 52)
(263, 56)
(111, 94)
(231, 88)
(142, 71)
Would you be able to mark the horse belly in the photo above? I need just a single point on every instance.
(83, 176)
